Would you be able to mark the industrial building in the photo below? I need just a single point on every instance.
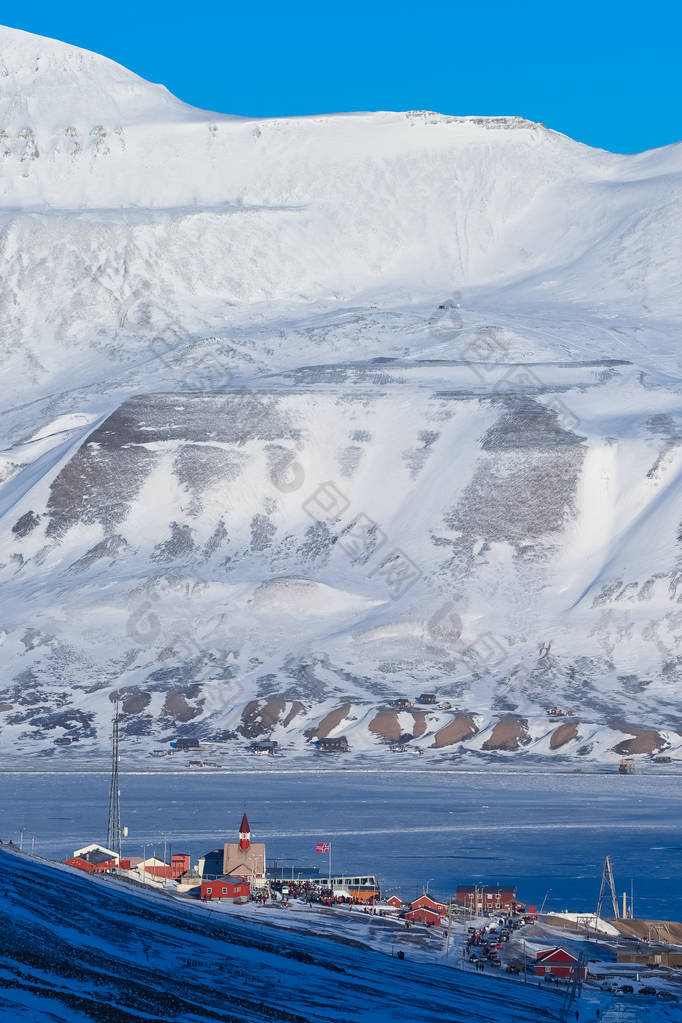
(173, 871)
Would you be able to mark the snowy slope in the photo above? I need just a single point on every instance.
(140, 956)
(468, 326)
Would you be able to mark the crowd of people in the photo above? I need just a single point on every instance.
(313, 894)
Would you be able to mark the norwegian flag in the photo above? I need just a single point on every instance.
(323, 847)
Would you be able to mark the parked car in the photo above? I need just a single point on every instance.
(647, 991)
(667, 996)
(513, 968)
(473, 959)
(627, 989)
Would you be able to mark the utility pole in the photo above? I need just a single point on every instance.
(114, 824)
(575, 988)
(472, 904)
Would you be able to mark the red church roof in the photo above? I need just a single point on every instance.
(244, 828)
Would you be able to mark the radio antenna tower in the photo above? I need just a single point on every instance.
(607, 881)
(114, 825)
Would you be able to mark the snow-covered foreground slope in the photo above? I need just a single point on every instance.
(97, 949)
(465, 329)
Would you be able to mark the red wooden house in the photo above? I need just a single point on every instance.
(233, 888)
(426, 902)
(394, 902)
(426, 910)
(558, 962)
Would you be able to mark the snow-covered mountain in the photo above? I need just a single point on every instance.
(303, 415)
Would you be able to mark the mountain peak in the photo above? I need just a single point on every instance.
(49, 85)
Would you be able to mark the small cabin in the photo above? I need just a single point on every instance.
(339, 744)
(626, 765)
(429, 698)
(264, 747)
(401, 703)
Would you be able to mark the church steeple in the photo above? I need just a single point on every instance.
(244, 834)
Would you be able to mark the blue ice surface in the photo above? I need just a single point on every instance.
(410, 828)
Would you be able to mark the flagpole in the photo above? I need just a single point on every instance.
(330, 866)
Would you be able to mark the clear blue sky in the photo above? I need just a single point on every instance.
(605, 73)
